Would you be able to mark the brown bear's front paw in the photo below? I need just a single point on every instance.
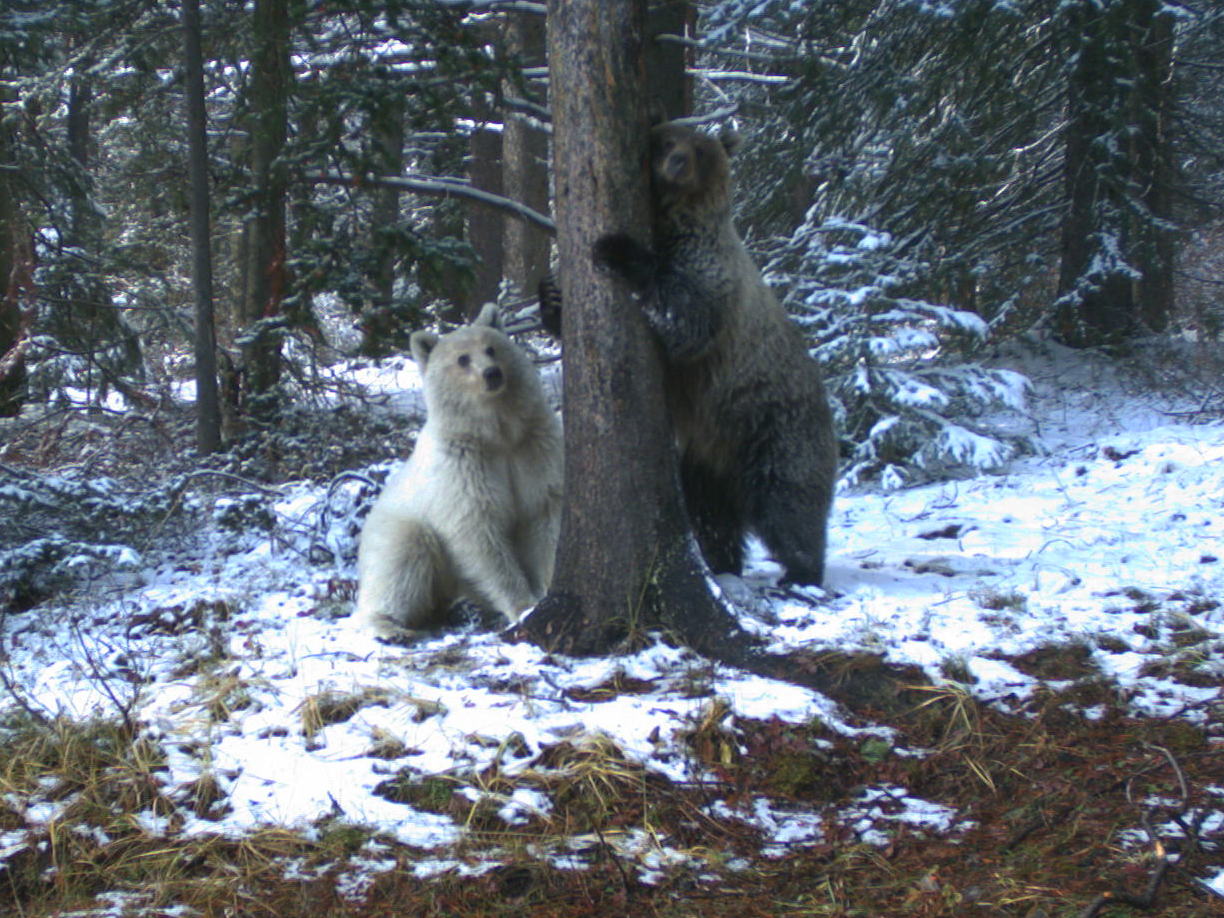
(626, 258)
(549, 290)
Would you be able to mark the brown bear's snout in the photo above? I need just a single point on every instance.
(675, 166)
(494, 378)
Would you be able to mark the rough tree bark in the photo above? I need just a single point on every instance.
(265, 270)
(667, 62)
(524, 162)
(387, 140)
(484, 226)
(208, 412)
(1153, 152)
(14, 267)
(1116, 262)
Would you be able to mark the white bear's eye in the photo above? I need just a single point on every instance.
(490, 352)
(464, 360)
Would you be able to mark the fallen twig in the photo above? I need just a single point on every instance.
(1147, 898)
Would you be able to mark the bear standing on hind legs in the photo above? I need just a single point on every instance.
(475, 512)
(757, 446)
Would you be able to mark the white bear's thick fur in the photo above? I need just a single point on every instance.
(475, 512)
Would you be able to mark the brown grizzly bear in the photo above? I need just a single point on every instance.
(757, 447)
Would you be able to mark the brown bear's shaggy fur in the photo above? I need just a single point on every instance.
(757, 445)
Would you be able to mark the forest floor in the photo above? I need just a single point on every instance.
(203, 733)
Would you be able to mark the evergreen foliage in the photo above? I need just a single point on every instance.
(910, 170)
(929, 220)
(910, 408)
(60, 531)
(901, 120)
(960, 172)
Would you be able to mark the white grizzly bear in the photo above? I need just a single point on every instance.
(475, 512)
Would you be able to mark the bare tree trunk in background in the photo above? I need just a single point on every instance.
(82, 221)
(667, 62)
(525, 162)
(14, 267)
(1154, 162)
(86, 319)
(484, 224)
(265, 270)
(302, 229)
(388, 141)
(1117, 251)
(626, 554)
(208, 413)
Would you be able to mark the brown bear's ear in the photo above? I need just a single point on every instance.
(731, 140)
(489, 315)
(422, 344)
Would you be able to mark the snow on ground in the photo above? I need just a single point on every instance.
(237, 663)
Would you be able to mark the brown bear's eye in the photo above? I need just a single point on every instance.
(489, 352)
(464, 360)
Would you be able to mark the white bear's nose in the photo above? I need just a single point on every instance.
(494, 378)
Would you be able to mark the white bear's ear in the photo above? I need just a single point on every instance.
(422, 344)
(490, 316)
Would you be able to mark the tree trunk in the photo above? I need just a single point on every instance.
(302, 229)
(667, 62)
(86, 320)
(626, 556)
(14, 268)
(484, 225)
(265, 249)
(525, 163)
(1116, 268)
(1154, 162)
(1095, 283)
(82, 221)
(627, 559)
(208, 413)
(387, 130)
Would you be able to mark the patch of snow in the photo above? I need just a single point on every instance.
(1112, 538)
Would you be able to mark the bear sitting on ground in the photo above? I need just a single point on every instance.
(475, 512)
(757, 447)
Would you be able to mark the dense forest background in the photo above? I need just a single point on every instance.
(923, 182)
(999, 223)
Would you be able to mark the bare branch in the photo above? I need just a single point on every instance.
(1147, 898)
(1181, 778)
(441, 187)
(742, 76)
(707, 48)
(494, 6)
(1144, 901)
(719, 114)
(538, 112)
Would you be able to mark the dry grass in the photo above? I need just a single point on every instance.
(1042, 796)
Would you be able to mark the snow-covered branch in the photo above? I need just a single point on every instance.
(494, 6)
(742, 76)
(707, 48)
(441, 187)
(719, 114)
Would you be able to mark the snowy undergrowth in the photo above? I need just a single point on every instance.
(264, 710)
